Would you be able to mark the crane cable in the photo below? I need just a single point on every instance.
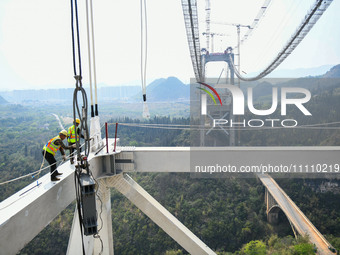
(76, 112)
(82, 160)
(144, 53)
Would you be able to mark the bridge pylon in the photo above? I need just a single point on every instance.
(272, 208)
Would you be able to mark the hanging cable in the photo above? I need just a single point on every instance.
(257, 20)
(89, 55)
(144, 53)
(273, 40)
(82, 163)
(73, 40)
(219, 77)
(77, 113)
(94, 61)
(94, 122)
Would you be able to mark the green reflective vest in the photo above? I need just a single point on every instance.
(51, 147)
(72, 134)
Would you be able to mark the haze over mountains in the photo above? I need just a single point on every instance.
(299, 72)
(163, 90)
(170, 89)
(2, 100)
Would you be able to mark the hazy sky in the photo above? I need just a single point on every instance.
(35, 39)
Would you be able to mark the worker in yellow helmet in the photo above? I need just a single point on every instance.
(50, 149)
(73, 136)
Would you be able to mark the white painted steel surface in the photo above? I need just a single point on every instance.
(160, 215)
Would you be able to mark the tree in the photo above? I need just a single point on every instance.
(304, 249)
(174, 252)
(254, 248)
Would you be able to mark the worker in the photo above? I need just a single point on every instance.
(50, 149)
(72, 138)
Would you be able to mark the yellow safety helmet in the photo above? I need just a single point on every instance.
(63, 132)
(77, 120)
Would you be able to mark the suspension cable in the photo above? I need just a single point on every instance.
(94, 61)
(264, 53)
(144, 53)
(143, 44)
(89, 55)
(189, 8)
(310, 19)
(256, 21)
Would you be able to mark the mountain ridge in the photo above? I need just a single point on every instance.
(164, 89)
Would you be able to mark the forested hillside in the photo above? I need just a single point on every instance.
(23, 132)
(227, 214)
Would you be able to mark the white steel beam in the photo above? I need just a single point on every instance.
(75, 239)
(29, 211)
(103, 244)
(158, 214)
(178, 159)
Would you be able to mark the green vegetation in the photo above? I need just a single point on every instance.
(23, 132)
(254, 248)
(227, 214)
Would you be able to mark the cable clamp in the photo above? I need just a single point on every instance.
(78, 77)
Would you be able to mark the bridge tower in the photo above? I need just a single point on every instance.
(226, 56)
(223, 111)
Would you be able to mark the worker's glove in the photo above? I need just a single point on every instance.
(64, 157)
(85, 136)
(74, 146)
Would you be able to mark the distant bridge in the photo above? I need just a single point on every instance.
(276, 199)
